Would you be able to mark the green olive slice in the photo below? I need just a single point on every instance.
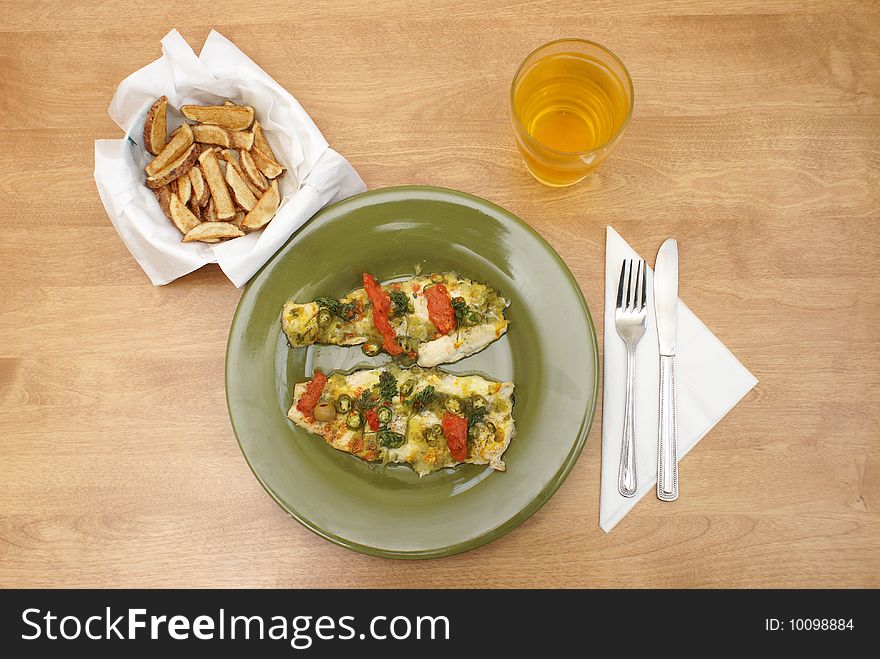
(453, 405)
(390, 439)
(385, 414)
(324, 412)
(354, 420)
(372, 348)
(433, 434)
(407, 387)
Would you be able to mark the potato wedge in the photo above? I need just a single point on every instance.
(240, 191)
(208, 134)
(261, 143)
(251, 172)
(194, 206)
(155, 126)
(264, 211)
(210, 211)
(230, 117)
(214, 178)
(182, 217)
(175, 169)
(241, 139)
(199, 188)
(183, 185)
(267, 165)
(253, 188)
(230, 156)
(227, 156)
(216, 183)
(212, 231)
(181, 140)
(163, 196)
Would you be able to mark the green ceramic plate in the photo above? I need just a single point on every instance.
(549, 352)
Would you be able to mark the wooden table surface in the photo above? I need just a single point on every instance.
(754, 141)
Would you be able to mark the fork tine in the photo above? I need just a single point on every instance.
(637, 280)
(644, 285)
(620, 285)
(629, 282)
(640, 289)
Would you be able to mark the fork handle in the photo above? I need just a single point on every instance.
(627, 481)
(667, 445)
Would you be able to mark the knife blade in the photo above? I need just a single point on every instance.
(666, 309)
(666, 295)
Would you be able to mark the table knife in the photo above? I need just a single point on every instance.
(666, 307)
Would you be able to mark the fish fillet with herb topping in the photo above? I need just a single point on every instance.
(424, 417)
(436, 319)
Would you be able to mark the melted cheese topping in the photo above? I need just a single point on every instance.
(424, 451)
(300, 322)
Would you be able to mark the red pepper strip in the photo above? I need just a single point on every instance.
(309, 399)
(440, 308)
(381, 306)
(455, 430)
(372, 419)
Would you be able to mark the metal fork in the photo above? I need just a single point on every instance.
(630, 319)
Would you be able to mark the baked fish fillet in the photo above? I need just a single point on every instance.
(433, 319)
(423, 417)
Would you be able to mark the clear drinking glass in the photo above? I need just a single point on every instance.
(570, 102)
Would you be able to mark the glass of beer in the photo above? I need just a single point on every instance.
(570, 102)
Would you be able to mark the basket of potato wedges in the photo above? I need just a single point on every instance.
(215, 177)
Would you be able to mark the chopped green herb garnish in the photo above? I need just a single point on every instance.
(387, 386)
(366, 400)
(424, 398)
(459, 306)
(476, 416)
(345, 310)
(400, 303)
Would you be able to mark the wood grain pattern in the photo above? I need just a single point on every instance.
(755, 141)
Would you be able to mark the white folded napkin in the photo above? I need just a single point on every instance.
(316, 175)
(709, 380)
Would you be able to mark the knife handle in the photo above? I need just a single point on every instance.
(667, 446)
